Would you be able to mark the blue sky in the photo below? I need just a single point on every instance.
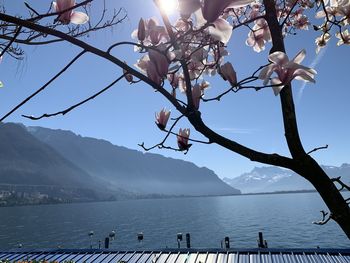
(125, 114)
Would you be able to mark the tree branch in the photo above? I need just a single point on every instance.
(317, 148)
(341, 183)
(98, 52)
(63, 112)
(11, 41)
(43, 87)
(326, 216)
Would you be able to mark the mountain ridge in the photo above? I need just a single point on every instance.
(274, 179)
(154, 173)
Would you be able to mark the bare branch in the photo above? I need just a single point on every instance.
(341, 183)
(318, 148)
(326, 216)
(61, 12)
(98, 52)
(11, 41)
(63, 112)
(43, 87)
(31, 8)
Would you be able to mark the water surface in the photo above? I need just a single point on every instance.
(285, 220)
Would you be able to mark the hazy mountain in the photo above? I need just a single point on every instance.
(133, 170)
(270, 179)
(24, 160)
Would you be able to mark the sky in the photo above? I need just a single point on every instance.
(124, 115)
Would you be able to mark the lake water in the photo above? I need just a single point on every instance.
(284, 219)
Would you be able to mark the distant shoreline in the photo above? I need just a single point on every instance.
(159, 197)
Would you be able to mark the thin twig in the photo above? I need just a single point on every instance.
(318, 148)
(11, 41)
(341, 183)
(64, 112)
(326, 216)
(43, 87)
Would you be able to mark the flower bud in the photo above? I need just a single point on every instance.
(228, 73)
(141, 32)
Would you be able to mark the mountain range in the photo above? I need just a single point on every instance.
(36, 156)
(272, 179)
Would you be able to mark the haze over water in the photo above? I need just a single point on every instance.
(284, 219)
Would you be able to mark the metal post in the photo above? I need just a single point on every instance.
(107, 242)
(261, 242)
(179, 239)
(188, 240)
(227, 242)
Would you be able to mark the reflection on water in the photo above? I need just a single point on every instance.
(284, 219)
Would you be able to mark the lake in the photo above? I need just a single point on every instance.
(285, 220)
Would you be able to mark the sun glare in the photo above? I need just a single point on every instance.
(168, 6)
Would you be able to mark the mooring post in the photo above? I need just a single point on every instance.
(107, 242)
(261, 242)
(188, 240)
(179, 239)
(227, 242)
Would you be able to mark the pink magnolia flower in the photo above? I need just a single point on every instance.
(212, 9)
(344, 38)
(228, 73)
(160, 61)
(259, 35)
(70, 16)
(301, 22)
(152, 73)
(150, 32)
(162, 118)
(321, 41)
(173, 79)
(196, 95)
(182, 139)
(221, 30)
(286, 70)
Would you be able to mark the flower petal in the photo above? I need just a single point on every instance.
(221, 30)
(278, 58)
(79, 18)
(299, 57)
(276, 89)
(301, 74)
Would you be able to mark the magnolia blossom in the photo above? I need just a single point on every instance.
(336, 8)
(162, 118)
(321, 41)
(153, 74)
(228, 73)
(182, 139)
(160, 61)
(173, 79)
(70, 16)
(301, 22)
(212, 9)
(150, 32)
(196, 95)
(344, 38)
(343, 9)
(286, 70)
(221, 30)
(259, 35)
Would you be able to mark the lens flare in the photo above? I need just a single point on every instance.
(168, 6)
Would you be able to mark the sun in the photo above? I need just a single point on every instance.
(168, 6)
